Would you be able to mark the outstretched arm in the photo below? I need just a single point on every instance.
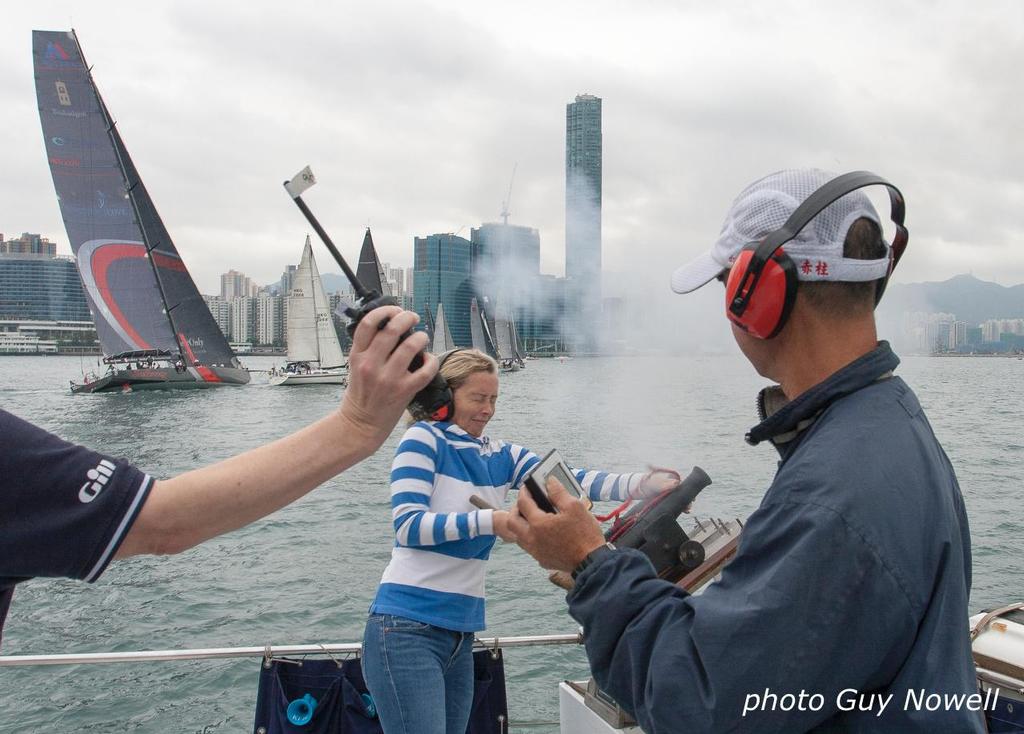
(413, 474)
(602, 485)
(201, 504)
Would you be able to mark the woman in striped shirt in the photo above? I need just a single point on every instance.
(417, 647)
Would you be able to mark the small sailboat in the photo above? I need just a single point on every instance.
(314, 353)
(370, 271)
(509, 358)
(479, 330)
(441, 340)
(154, 327)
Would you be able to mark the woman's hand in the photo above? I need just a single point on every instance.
(656, 481)
(501, 528)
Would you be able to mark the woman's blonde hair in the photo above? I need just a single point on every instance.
(456, 368)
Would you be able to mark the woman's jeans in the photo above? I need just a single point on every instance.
(420, 676)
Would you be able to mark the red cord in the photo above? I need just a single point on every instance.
(614, 514)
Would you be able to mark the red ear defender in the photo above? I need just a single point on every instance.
(758, 299)
(443, 413)
(761, 289)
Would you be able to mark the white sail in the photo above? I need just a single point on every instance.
(302, 342)
(327, 338)
(476, 328)
(443, 341)
(311, 335)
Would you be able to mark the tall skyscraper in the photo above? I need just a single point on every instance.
(443, 274)
(583, 218)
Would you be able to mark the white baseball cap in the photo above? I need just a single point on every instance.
(763, 207)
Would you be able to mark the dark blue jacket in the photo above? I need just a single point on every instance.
(850, 585)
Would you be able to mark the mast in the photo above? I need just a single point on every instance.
(130, 190)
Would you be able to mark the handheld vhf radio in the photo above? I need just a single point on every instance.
(435, 398)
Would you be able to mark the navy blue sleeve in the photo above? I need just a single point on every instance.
(805, 605)
(64, 509)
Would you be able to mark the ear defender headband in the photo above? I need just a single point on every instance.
(446, 411)
(762, 284)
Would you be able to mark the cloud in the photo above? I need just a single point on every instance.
(413, 115)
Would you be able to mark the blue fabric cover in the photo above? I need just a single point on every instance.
(340, 707)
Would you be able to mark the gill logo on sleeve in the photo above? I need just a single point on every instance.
(98, 479)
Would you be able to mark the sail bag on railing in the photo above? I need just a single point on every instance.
(316, 696)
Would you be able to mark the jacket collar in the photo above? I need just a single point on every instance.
(456, 430)
(781, 421)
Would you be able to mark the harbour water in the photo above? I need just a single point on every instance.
(308, 573)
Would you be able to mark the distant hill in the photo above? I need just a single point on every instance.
(970, 299)
(333, 282)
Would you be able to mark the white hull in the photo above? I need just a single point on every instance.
(575, 717)
(316, 377)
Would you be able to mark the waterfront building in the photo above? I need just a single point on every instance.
(958, 335)
(284, 285)
(269, 314)
(337, 302)
(506, 261)
(543, 324)
(243, 320)
(506, 270)
(583, 177)
(398, 284)
(443, 274)
(28, 244)
(993, 329)
(409, 285)
(34, 336)
(221, 312)
(234, 284)
(42, 302)
(20, 343)
(41, 287)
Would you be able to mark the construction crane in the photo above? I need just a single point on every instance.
(505, 211)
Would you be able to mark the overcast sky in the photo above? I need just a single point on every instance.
(413, 115)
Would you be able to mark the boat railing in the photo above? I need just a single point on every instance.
(267, 652)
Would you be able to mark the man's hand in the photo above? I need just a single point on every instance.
(557, 541)
(380, 385)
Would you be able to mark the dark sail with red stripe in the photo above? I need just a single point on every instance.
(140, 293)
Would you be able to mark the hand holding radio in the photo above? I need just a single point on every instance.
(380, 383)
(559, 540)
(550, 467)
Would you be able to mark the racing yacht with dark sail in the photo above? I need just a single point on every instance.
(369, 271)
(153, 326)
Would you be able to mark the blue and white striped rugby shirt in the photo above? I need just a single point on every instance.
(436, 573)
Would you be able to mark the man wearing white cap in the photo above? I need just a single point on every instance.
(846, 604)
